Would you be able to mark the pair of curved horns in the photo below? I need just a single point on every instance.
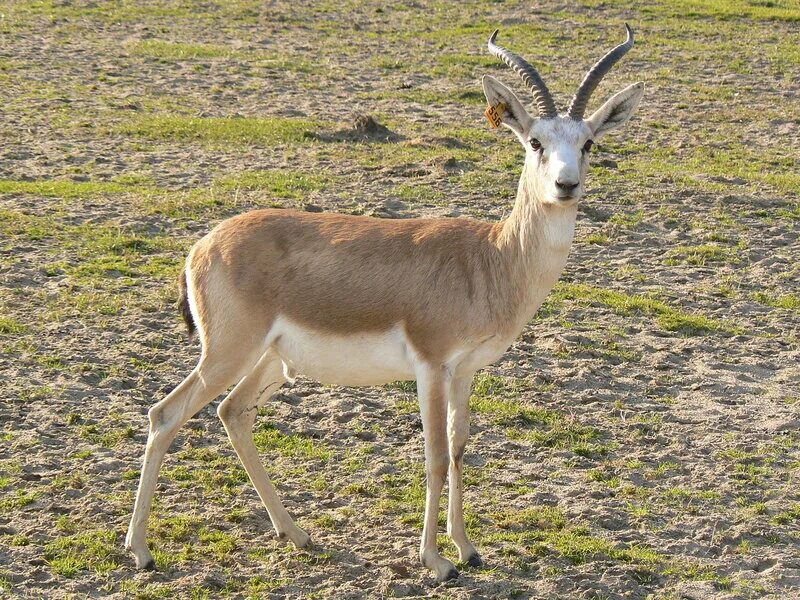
(544, 101)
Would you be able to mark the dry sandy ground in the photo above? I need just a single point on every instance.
(640, 440)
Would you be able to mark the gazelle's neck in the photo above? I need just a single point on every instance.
(535, 229)
(535, 239)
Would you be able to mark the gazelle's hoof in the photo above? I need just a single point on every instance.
(474, 561)
(141, 555)
(444, 569)
(297, 536)
(144, 560)
(451, 574)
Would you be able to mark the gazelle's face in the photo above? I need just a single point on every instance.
(557, 146)
(557, 158)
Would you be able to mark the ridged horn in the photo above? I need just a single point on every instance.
(544, 101)
(595, 75)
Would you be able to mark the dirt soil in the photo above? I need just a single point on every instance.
(639, 440)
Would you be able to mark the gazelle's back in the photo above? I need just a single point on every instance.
(343, 275)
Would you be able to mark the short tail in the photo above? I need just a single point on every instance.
(183, 305)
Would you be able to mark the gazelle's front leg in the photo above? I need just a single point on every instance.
(434, 388)
(457, 434)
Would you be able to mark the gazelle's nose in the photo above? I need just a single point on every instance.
(566, 186)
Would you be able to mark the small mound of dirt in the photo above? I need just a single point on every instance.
(364, 129)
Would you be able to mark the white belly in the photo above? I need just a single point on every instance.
(372, 358)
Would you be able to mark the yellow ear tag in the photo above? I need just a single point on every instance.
(495, 114)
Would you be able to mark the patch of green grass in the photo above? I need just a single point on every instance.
(627, 220)
(669, 318)
(218, 544)
(418, 193)
(178, 528)
(579, 546)
(544, 529)
(74, 480)
(105, 263)
(702, 254)
(223, 130)
(609, 350)
(498, 397)
(236, 515)
(99, 551)
(541, 427)
(267, 438)
(663, 468)
(462, 66)
(533, 518)
(6, 580)
(788, 516)
(64, 188)
(685, 497)
(110, 438)
(325, 522)
(691, 570)
(509, 413)
(485, 385)
(408, 387)
(182, 51)
(281, 184)
(261, 584)
(409, 152)
(563, 432)
(786, 301)
(488, 183)
(147, 591)
(356, 459)
(767, 10)
(403, 494)
(66, 525)
(604, 477)
(20, 499)
(28, 227)
(216, 473)
(9, 325)
(711, 167)
(598, 238)
(36, 393)
(366, 489)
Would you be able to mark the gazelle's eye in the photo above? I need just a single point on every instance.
(536, 144)
(588, 145)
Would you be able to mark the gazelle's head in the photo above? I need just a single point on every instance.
(557, 146)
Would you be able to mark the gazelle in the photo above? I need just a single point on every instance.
(356, 300)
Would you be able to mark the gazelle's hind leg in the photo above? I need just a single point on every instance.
(238, 413)
(213, 375)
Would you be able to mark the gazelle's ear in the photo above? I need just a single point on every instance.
(617, 109)
(514, 116)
